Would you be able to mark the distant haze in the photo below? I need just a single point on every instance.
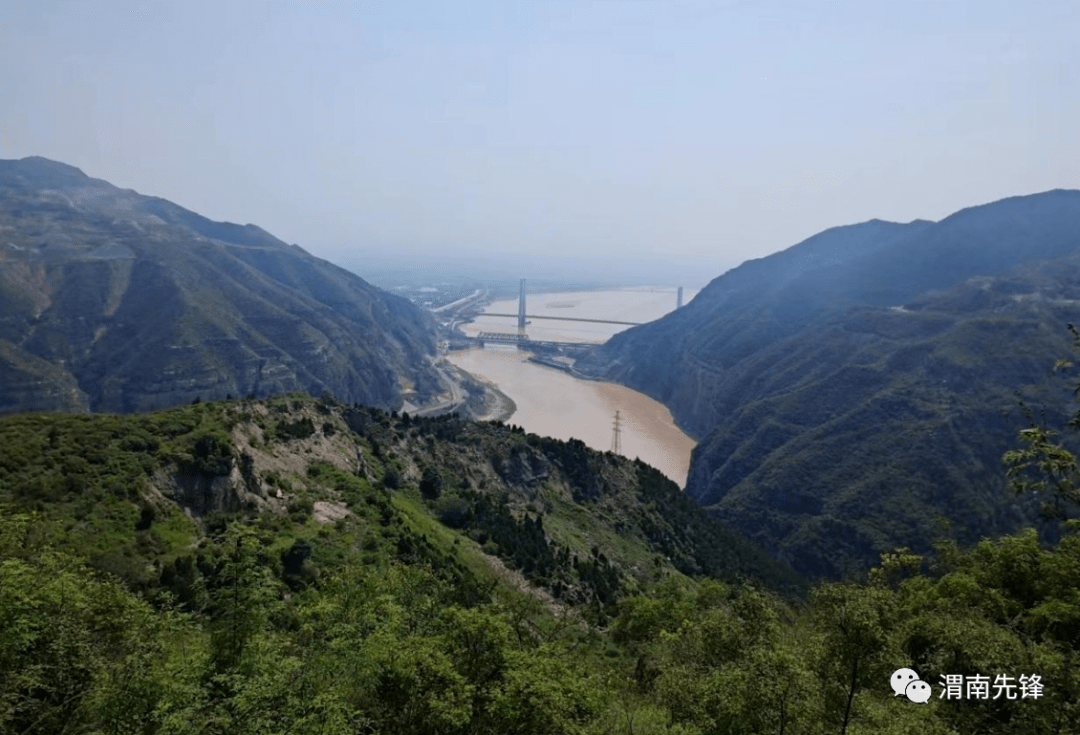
(609, 136)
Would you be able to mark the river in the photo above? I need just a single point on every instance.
(553, 403)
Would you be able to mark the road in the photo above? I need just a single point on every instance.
(460, 302)
(457, 399)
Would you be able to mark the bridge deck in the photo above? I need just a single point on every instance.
(523, 340)
(502, 337)
(564, 319)
(561, 344)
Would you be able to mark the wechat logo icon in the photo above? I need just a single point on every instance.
(908, 683)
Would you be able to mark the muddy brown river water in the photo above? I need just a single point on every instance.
(553, 403)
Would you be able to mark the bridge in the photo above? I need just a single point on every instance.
(564, 318)
(502, 337)
(522, 317)
(522, 340)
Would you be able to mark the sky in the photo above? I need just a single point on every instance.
(676, 137)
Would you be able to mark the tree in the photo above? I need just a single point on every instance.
(1043, 466)
(855, 622)
(78, 652)
(542, 694)
(241, 601)
(431, 483)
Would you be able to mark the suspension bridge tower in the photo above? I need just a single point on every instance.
(521, 306)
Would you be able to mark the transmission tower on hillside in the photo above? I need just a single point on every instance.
(616, 442)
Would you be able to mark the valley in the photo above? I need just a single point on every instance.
(389, 554)
(554, 402)
(539, 368)
(833, 401)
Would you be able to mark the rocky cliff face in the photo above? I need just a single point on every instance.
(114, 301)
(854, 389)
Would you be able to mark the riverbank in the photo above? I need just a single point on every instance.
(552, 402)
(542, 392)
(484, 401)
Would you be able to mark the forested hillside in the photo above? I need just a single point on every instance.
(115, 301)
(856, 391)
(294, 565)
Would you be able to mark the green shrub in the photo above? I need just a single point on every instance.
(299, 429)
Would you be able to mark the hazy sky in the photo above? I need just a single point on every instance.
(698, 133)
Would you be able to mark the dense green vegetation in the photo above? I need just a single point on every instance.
(296, 566)
(855, 392)
(394, 649)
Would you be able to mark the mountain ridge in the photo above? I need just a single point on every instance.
(816, 388)
(143, 303)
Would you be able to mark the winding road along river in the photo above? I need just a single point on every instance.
(553, 403)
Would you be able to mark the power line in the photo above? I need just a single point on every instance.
(616, 442)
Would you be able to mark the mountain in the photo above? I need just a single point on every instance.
(858, 388)
(584, 526)
(115, 301)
